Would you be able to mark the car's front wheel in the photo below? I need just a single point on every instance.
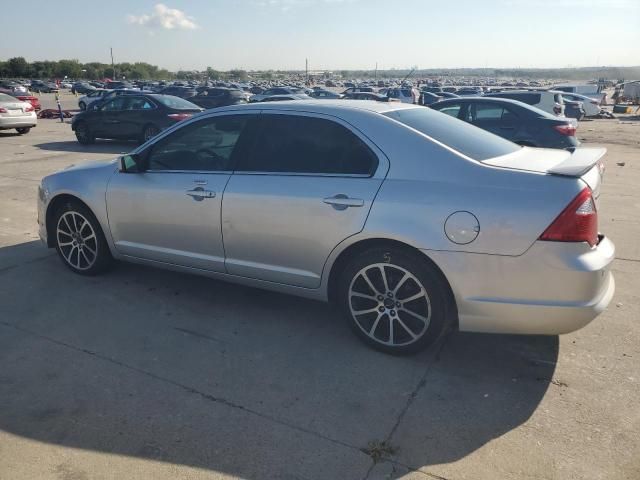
(79, 240)
(83, 134)
(23, 130)
(394, 300)
(82, 106)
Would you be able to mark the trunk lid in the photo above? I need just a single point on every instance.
(584, 163)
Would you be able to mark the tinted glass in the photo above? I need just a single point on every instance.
(176, 103)
(207, 145)
(452, 110)
(471, 141)
(485, 111)
(115, 104)
(296, 144)
(139, 103)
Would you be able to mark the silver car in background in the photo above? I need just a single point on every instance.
(16, 114)
(411, 221)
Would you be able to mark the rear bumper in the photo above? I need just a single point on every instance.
(553, 288)
(18, 121)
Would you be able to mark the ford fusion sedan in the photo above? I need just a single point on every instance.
(411, 221)
(131, 117)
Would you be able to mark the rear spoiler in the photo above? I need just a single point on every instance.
(580, 162)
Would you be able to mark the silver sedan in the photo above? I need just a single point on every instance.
(411, 221)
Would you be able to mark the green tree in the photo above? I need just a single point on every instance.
(238, 74)
(68, 68)
(18, 67)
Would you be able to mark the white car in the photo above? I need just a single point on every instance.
(590, 105)
(16, 114)
(84, 102)
(550, 102)
(404, 94)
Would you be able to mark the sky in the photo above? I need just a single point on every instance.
(332, 34)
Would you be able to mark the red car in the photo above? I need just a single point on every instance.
(24, 97)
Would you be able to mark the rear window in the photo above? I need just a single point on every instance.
(176, 103)
(7, 98)
(471, 141)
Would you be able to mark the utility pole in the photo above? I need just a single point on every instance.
(306, 70)
(376, 72)
(113, 66)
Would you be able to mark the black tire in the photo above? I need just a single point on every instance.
(148, 132)
(82, 106)
(410, 334)
(75, 247)
(23, 130)
(83, 134)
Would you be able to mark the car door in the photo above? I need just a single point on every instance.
(170, 213)
(111, 116)
(488, 116)
(307, 184)
(138, 112)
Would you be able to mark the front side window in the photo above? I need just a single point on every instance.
(307, 145)
(207, 145)
(452, 110)
(486, 111)
(114, 105)
(140, 103)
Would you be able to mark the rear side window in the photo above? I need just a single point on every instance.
(307, 145)
(471, 141)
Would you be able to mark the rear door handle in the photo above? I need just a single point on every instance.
(342, 201)
(199, 194)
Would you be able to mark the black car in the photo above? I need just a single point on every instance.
(179, 91)
(43, 87)
(82, 88)
(428, 98)
(366, 96)
(138, 117)
(513, 120)
(219, 97)
(115, 93)
(117, 85)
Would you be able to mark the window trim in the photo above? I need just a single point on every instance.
(379, 171)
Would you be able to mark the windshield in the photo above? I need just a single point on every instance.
(176, 103)
(471, 141)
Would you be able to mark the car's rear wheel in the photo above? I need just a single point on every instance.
(23, 130)
(394, 300)
(83, 134)
(149, 132)
(79, 240)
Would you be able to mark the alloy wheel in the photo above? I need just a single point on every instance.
(77, 240)
(389, 304)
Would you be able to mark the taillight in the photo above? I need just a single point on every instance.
(179, 116)
(577, 223)
(567, 129)
(29, 108)
(3, 110)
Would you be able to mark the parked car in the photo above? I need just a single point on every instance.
(359, 89)
(404, 94)
(428, 98)
(377, 97)
(325, 94)
(273, 91)
(117, 85)
(93, 96)
(134, 117)
(13, 87)
(42, 87)
(182, 92)
(281, 98)
(468, 92)
(24, 97)
(550, 102)
(410, 221)
(16, 114)
(82, 88)
(589, 90)
(573, 109)
(219, 97)
(591, 107)
(109, 94)
(513, 120)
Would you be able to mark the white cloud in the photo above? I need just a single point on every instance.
(164, 17)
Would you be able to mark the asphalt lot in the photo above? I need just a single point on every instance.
(143, 373)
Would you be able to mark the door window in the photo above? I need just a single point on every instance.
(207, 145)
(307, 145)
(140, 103)
(452, 110)
(487, 111)
(114, 105)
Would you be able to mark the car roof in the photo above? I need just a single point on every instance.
(327, 107)
(498, 100)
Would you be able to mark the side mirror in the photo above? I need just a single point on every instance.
(131, 163)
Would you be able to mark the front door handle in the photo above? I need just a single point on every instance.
(199, 194)
(342, 201)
